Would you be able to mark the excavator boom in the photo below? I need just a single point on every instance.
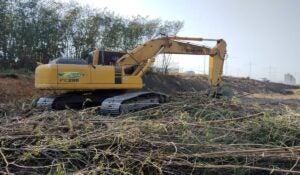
(141, 55)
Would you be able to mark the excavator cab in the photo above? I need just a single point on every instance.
(101, 57)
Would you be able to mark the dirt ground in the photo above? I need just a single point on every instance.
(275, 99)
(175, 83)
(15, 87)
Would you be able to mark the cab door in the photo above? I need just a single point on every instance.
(73, 74)
(103, 74)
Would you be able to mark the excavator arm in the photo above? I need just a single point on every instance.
(143, 56)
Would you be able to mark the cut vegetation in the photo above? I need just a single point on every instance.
(192, 134)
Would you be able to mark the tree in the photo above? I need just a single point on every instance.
(40, 30)
(168, 28)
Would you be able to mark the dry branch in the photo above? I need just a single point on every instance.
(180, 137)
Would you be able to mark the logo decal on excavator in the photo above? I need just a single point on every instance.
(69, 75)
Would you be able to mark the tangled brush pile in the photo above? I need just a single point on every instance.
(190, 135)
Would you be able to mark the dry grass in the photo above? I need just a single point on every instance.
(190, 135)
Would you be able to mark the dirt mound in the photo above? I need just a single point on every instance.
(14, 87)
(187, 83)
(175, 83)
(255, 86)
(14, 76)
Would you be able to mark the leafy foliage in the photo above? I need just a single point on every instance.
(39, 30)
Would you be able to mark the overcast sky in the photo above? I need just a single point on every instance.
(262, 35)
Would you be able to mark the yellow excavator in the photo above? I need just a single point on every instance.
(96, 81)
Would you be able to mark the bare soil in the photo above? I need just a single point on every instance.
(15, 87)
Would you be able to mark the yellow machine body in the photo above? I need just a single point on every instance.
(83, 77)
(94, 76)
